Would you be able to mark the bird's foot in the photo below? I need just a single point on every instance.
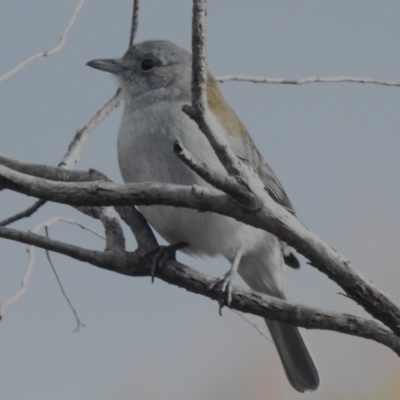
(163, 254)
(224, 284)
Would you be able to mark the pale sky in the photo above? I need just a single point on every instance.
(333, 146)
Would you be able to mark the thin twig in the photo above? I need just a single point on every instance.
(38, 204)
(260, 331)
(199, 62)
(79, 322)
(23, 214)
(242, 172)
(28, 272)
(227, 184)
(302, 81)
(135, 22)
(24, 283)
(87, 228)
(73, 153)
(25, 280)
(46, 53)
(82, 226)
(197, 110)
(114, 236)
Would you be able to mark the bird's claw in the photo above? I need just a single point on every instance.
(163, 254)
(224, 285)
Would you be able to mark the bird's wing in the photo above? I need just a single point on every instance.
(249, 153)
(246, 150)
(272, 185)
(243, 146)
(242, 143)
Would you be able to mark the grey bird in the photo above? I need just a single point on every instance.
(155, 77)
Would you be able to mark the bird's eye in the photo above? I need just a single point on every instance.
(147, 65)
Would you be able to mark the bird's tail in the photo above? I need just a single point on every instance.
(296, 359)
(263, 273)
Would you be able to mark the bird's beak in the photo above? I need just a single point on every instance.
(109, 65)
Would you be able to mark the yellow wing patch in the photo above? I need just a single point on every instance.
(220, 108)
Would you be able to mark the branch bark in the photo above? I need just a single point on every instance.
(270, 217)
(303, 81)
(245, 300)
(134, 23)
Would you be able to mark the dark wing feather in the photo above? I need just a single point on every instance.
(273, 186)
(246, 150)
(277, 192)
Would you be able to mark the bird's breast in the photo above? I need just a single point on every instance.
(145, 154)
(145, 145)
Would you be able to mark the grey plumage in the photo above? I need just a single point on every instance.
(155, 77)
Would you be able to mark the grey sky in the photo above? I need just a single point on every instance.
(334, 147)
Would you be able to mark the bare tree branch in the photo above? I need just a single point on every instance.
(244, 175)
(85, 228)
(243, 300)
(225, 183)
(45, 225)
(199, 63)
(260, 331)
(270, 217)
(144, 236)
(46, 53)
(79, 322)
(115, 239)
(94, 257)
(302, 81)
(51, 173)
(114, 235)
(70, 158)
(29, 269)
(82, 226)
(73, 153)
(75, 148)
(23, 214)
(265, 306)
(198, 108)
(135, 22)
